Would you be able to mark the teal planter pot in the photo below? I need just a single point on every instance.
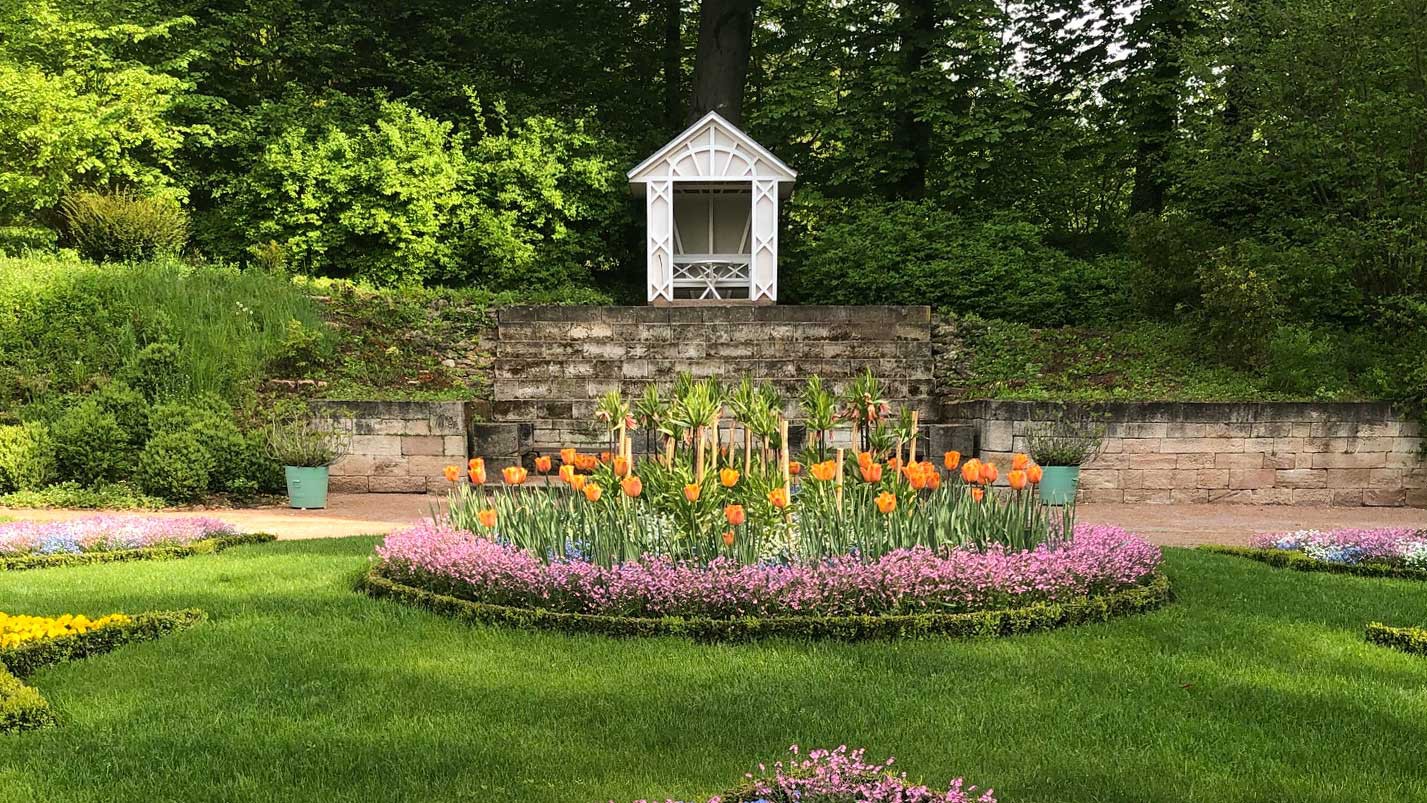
(306, 487)
(1058, 484)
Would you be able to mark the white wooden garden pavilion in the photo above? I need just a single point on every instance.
(712, 195)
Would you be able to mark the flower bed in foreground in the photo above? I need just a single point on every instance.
(1392, 552)
(840, 775)
(33, 646)
(1103, 572)
(106, 538)
(1408, 639)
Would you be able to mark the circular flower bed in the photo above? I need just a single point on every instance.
(835, 776)
(1389, 552)
(1101, 571)
(96, 539)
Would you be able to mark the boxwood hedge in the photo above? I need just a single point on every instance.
(13, 563)
(22, 707)
(1408, 639)
(1040, 616)
(1289, 559)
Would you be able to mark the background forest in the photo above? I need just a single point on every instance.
(1244, 177)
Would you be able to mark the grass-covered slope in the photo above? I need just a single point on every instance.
(1255, 685)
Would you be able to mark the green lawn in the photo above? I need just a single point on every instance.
(1256, 685)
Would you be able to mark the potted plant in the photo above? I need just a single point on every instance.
(1061, 446)
(306, 446)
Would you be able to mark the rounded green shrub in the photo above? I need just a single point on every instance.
(129, 408)
(175, 466)
(155, 370)
(117, 227)
(27, 457)
(90, 445)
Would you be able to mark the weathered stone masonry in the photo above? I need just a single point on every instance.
(400, 446)
(552, 364)
(1269, 453)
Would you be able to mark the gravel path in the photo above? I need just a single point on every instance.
(1169, 525)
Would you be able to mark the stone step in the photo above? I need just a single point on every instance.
(578, 389)
(836, 372)
(732, 332)
(871, 315)
(599, 349)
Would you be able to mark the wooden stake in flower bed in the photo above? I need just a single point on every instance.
(747, 450)
(912, 450)
(841, 455)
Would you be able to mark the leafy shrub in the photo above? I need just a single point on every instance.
(1240, 300)
(237, 461)
(129, 408)
(90, 445)
(21, 706)
(174, 466)
(1408, 639)
(70, 494)
(918, 253)
(404, 198)
(17, 563)
(17, 240)
(155, 370)
(27, 457)
(119, 227)
(30, 656)
(1167, 253)
(1302, 362)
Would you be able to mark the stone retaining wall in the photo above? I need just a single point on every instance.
(401, 446)
(1266, 453)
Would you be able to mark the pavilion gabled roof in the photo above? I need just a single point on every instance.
(712, 149)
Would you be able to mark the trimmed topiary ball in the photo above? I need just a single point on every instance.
(90, 445)
(27, 458)
(175, 467)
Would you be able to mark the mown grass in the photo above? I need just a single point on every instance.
(1255, 685)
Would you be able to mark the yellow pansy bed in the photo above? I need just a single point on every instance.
(28, 643)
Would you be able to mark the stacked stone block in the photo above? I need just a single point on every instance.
(553, 363)
(400, 447)
(1268, 453)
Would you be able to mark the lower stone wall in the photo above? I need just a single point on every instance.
(401, 446)
(1265, 453)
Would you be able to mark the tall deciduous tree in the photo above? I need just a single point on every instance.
(721, 60)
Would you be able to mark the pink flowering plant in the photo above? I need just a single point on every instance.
(842, 776)
(1098, 559)
(105, 533)
(1401, 547)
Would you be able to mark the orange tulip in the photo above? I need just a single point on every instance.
(585, 462)
(951, 460)
(487, 517)
(825, 470)
(778, 497)
(864, 458)
(592, 492)
(988, 473)
(692, 491)
(728, 477)
(478, 472)
(1034, 473)
(475, 463)
(542, 464)
(577, 481)
(514, 475)
(567, 473)
(632, 486)
(795, 468)
(933, 480)
(872, 472)
(567, 455)
(735, 514)
(453, 473)
(977, 494)
(605, 457)
(1017, 479)
(1019, 461)
(915, 477)
(894, 465)
(621, 466)
(886, 502)
(971, 471)
(728, 537)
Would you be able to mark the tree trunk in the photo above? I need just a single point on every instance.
(912, 135)
(673, 65)
(1162, 28)
(721, 62)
